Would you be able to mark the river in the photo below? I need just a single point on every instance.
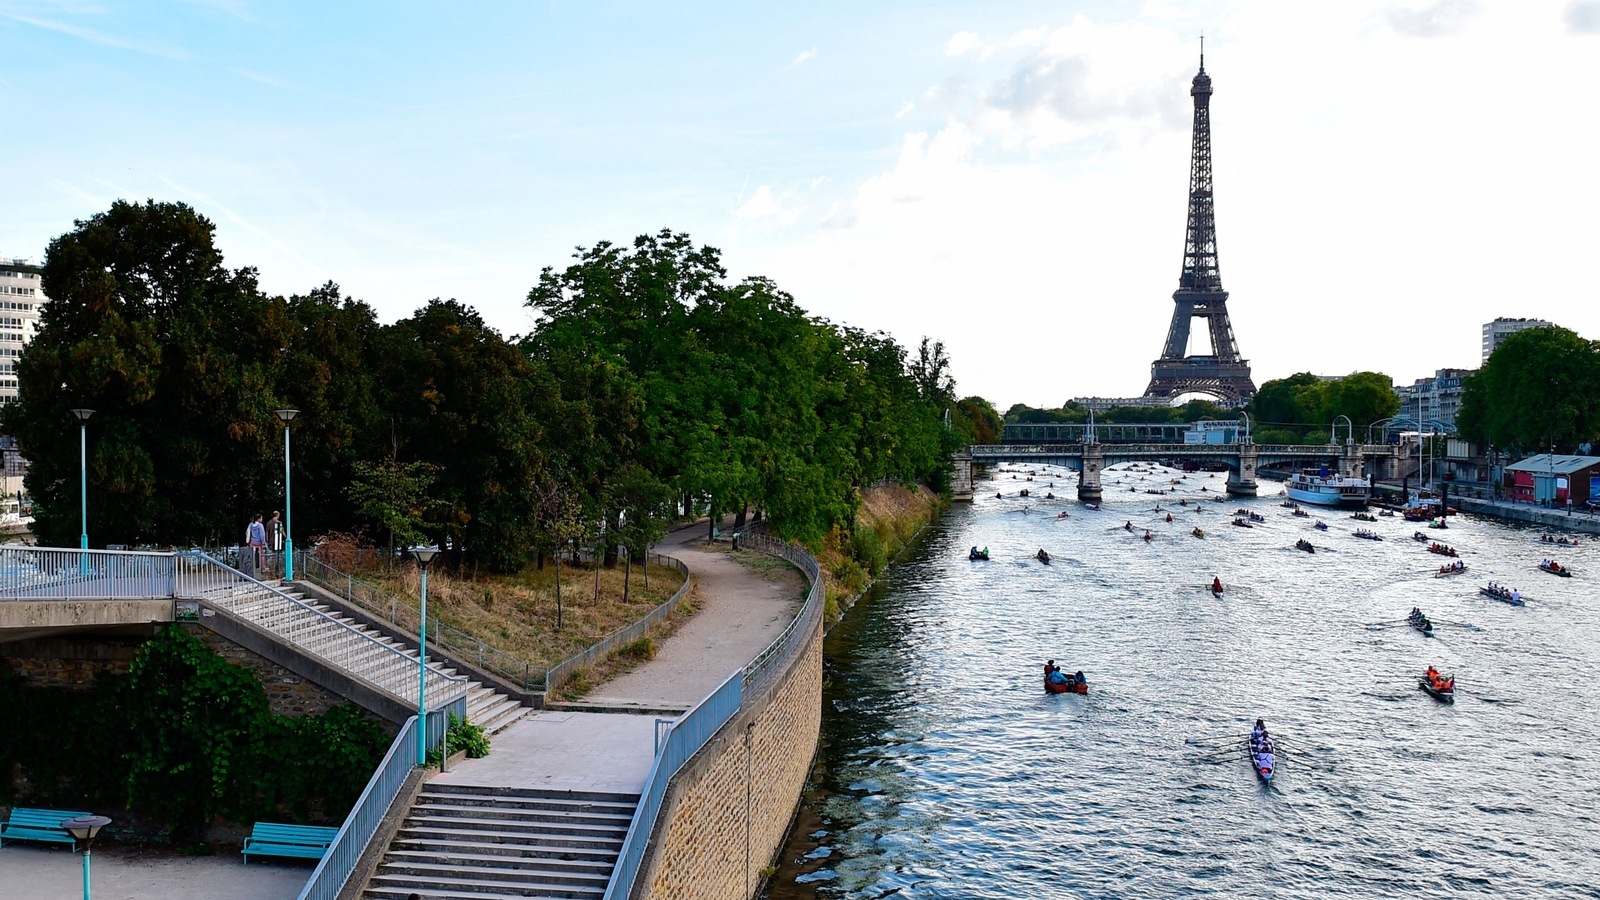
(946, 772)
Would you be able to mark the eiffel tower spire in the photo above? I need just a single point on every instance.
(1200, 295)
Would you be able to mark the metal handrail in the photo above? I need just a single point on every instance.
(558, 673)
(402, 612)
(56, 573)
(688, 734)
(208, 580)
(337, 865)
(694, 728)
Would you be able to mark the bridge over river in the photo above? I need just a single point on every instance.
(1242, 458)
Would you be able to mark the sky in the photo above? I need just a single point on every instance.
(1008, 178)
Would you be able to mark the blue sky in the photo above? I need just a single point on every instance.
(1008, 178)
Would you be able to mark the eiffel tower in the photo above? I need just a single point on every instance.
(1200, 295)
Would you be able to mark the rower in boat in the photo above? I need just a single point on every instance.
(975, 553)
(1321, 525)
(1440, 687)
(1305, 545)
(1216, 584)
(1147, 537)
(1555, 568)
(1042, 556)
(1127, 526)
(1199, 532)
(1169, 517)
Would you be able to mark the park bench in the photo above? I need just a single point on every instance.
(37, 825)
(304, 841)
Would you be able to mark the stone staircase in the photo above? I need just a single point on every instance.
(465, 842)
(325, 632)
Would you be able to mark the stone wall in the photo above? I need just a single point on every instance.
(728, 810)
(70, 662)
(73, 661)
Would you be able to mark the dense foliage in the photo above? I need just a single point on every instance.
(184, 737)
(1539, 389)
(1302, 407)
(1074, 413)
(650, 383)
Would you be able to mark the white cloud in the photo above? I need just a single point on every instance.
(803, 56)
(770, 209)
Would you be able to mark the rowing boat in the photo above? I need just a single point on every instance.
(1447, 571)
(1263, 764)
(1555, 568)
(1443, 695)
(1502, 597)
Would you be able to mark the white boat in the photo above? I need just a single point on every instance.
(1329, 490)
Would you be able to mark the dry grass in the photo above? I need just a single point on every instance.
(517, 613)
(631, 656)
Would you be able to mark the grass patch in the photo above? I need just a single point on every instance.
(517, 613)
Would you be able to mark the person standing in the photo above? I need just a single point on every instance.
(274, 528)
(255, 537)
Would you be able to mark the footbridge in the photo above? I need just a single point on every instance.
(1243, 458)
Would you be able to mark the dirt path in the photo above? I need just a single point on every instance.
(745, 604)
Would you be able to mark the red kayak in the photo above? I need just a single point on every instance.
(1066, 687)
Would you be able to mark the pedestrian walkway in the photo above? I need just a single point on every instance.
(124, 873)
(594, 761)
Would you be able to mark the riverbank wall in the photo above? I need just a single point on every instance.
(726, 812)
(1559, 520)
(888, 520)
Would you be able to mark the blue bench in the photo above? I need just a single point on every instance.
(303, 841)
(37, 825)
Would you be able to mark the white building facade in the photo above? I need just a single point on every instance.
(1495, 333)
(20, 301)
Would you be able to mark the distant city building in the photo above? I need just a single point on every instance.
(1496, 332)
(20, 301)
(1101, 404)
(1434, 399)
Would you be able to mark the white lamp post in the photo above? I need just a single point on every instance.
(424, 556)
(287, 415)
(83, 830)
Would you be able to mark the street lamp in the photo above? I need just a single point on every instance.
(424, 556)
(287, 415)
(82, 415)
(83, 830)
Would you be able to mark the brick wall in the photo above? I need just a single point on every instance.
(728, 810)
(288, 694)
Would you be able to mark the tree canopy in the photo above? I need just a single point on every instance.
(1302, 407)
(1541, 387)
(649, 383)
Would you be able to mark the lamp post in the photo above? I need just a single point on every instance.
(82, 415)
(287, 415)
(83, 830)
(424, 556)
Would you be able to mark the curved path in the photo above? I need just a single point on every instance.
(744, 605)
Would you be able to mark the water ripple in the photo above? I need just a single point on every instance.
(949, 774)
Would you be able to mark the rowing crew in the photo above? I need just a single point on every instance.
(1418, 619)
(1439, 682)
(1261, 750)
(1500, 590)
(1457, 566)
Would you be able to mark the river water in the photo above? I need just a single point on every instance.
(947, 772)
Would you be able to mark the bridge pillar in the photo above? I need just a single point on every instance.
(1242, 481)
(1351, 461)
(961, 476)
(1089, 476)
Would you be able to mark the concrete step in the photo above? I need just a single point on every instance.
(437, 788)
(436, 813)
(560, 805)
(475, 889)
(554, 839)
(431, 870)
(532, 849)
(387, 891)
(466, 829)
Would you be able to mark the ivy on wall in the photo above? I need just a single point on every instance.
(185, 737)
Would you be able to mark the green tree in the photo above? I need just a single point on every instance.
(177, 355)
(394, 495)
(977, 421)
(1540, 388)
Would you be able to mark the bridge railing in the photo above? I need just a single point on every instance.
(53, 573)
(200, 577)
